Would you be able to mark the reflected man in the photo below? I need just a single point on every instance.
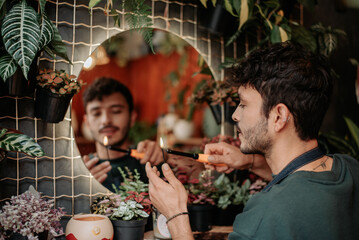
(109, 112)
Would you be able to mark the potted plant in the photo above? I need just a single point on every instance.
(232, 198)
(54, 90)
(128, 209)
(31, 216)
(219, 95)
(25, 33)
(201, 199)
(13, 140)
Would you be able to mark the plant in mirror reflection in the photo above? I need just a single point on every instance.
(130, 201)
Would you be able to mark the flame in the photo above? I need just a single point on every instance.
(105, 140)
(161, 142)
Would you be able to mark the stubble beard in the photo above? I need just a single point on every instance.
(256, 139)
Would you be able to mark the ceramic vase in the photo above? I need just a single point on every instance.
(160, 228)
(129, 230)
(89, 227)
(183, 129)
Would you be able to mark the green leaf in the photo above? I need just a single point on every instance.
(7, 66)
(228, 7)
(354, 130)
(275, 35)
(21, 143)
(93, 3)
(57, 46)
(2, 9)
(244, 13)
(46, 31)
(42, 6)
(21, 33)
(2, 132)
(204, 3)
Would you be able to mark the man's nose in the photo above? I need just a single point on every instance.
(105, 118)
(235, 115)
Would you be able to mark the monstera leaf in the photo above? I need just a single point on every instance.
(21, 34)
(7, 66)
(19, 143)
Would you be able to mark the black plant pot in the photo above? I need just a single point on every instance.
(201, 217)
(226, 217)
(51, 107)
(216, 111)
(18, 236)
(129, 230)
(17, 85)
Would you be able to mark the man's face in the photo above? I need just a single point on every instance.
(252, 126)
(109, 117)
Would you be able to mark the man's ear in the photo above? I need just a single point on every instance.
(133, 117)
(281, 116)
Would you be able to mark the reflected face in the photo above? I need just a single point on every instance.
(252, 126)
(109, 117)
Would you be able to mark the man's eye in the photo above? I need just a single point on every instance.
(96, 114)
(241, 105)
(116, 111)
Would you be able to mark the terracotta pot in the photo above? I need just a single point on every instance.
(89, 227)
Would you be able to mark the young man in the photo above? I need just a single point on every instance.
(284, 94)
(109, 113)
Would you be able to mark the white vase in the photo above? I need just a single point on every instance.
(183, 129)
(89, 227)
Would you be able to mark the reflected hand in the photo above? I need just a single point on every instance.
(228, 154)
(152, 151)
(169, 198)
(98, 171)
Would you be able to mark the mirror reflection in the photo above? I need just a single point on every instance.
(134, 98)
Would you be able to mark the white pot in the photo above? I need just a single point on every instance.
(89, 227)
(169, 120)
(183, 129)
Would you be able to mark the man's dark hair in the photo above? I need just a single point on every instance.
(102, 87)
(289, 74)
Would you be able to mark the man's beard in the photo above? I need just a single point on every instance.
(256, 139)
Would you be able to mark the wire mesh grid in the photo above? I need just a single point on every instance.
(61, 174)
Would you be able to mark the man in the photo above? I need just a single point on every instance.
(284, 93)
(109, 113)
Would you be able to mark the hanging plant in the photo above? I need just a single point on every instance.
(12, 140)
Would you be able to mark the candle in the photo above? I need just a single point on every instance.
(203, 158)
(163, 152)
(105, 143)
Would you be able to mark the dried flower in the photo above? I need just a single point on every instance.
(214, 92)
(29, 215)
(58, 82)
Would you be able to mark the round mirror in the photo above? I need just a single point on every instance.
(160, 84)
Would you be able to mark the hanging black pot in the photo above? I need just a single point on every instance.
(129, 230)
(226, 217)
(201, 217)
(51, 107)
(216, 111)
(17, 85)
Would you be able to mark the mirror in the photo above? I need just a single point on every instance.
(160, 84)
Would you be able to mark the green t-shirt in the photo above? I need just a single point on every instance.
(114, 176)
(305, 205)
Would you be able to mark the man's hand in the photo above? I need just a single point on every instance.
(152, 151)
(228, 154)
(234, 159)
(98, 171)
(169, 198)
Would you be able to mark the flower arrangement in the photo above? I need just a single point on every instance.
(58, 81)
(130, 202)
(28, 214)
(214, 92)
